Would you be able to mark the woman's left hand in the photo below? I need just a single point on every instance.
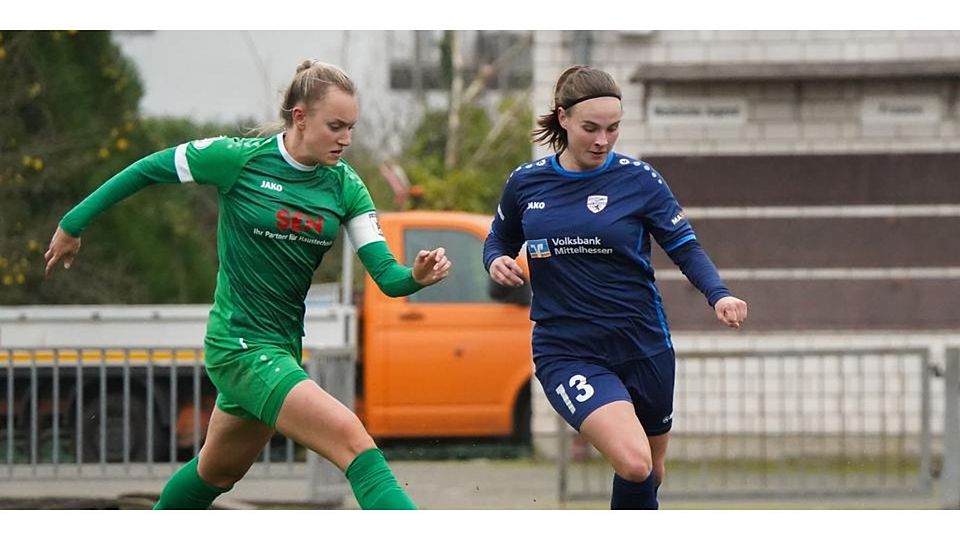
(731, 311)
(431, 266)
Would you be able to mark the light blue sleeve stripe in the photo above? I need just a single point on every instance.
(640, 249)
(680, 242)
(640, 240)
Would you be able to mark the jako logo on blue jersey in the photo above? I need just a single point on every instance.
(536, 205)
(538, 249)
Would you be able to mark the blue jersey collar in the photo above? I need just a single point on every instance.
(555, 163)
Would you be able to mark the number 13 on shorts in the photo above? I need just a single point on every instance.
(583, 390)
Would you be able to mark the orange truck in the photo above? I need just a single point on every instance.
(452, 360)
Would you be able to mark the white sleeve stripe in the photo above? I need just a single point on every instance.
(363, 230)
(180, 160)
(500, 213)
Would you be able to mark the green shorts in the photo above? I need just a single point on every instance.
(253, 379)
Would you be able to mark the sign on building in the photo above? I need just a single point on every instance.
(901, 110)
(696, 110)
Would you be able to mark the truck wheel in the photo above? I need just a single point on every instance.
(92, 421)
(522, 412)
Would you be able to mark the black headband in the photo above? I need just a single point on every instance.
(590, 96)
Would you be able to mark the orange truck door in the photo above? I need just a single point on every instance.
(447, 361)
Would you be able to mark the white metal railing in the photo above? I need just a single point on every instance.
(97, 414)
(831, 415)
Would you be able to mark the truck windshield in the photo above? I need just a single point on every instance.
(467, 282)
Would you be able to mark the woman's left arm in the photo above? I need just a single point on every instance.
(668, 224)
(395, 279)
(363, 228)
(701, 272)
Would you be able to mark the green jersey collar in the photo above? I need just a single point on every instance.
(288, 158)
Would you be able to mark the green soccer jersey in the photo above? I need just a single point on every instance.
(277, 219)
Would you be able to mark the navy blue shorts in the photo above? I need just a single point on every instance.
(576, 388)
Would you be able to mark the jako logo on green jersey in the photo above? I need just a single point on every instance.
(271, 185)
(298, 221)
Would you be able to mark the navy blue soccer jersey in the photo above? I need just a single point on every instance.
(588, 238)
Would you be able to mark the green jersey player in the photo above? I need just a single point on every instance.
(282, 201)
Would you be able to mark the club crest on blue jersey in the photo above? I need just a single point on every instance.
(596, 203)
(538, 249)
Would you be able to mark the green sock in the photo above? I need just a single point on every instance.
(374, 485)
(187, 491)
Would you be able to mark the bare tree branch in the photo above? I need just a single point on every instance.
(456, 93)
(504, 120)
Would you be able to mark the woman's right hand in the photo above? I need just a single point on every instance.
(505, 271)
(63, 247)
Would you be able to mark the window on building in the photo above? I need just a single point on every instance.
(417, 59)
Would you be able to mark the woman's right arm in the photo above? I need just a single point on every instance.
(66, 240)
(209, 161)
(146, 171)
(505, 239)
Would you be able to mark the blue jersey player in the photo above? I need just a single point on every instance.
(601, 344)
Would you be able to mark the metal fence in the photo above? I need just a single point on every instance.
(806, 423)
(107, 414)
(858, 421)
